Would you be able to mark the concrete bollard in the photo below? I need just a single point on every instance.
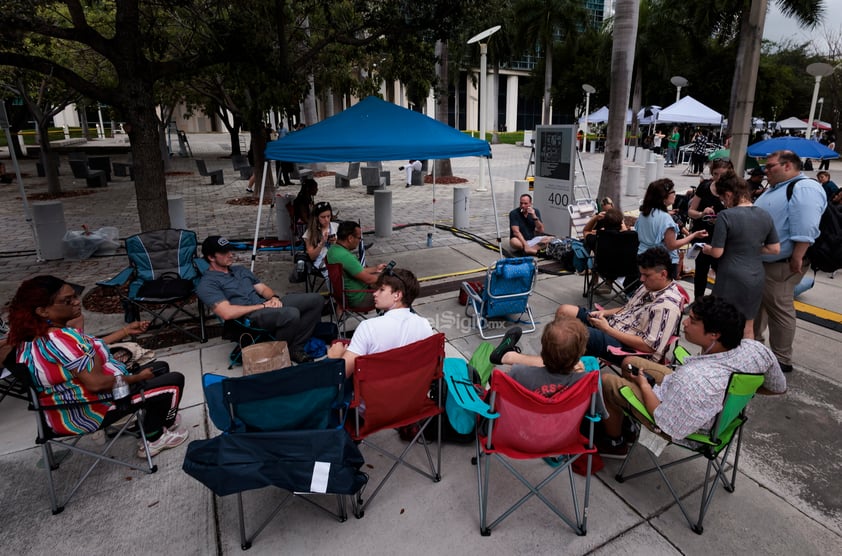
(175, 207)
(521, 188)
(461, 207)
(592, 147)
(632, 181)
(659, 161)
(50, 228)
(283, 225)
(651, 172)
(383, 213)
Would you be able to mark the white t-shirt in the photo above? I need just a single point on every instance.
(320, 258)
(396, 328)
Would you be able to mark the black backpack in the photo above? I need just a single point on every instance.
(826, 252)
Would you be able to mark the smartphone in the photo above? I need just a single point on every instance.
(635, 371)
(389, 267)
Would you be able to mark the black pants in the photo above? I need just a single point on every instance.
(700, 278)
(295, 321)
(163, 394)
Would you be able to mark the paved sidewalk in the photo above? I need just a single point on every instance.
(788, 498)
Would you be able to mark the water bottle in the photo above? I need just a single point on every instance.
(429, 239)
(120, 393)
(299, 268)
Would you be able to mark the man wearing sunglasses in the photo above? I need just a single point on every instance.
(797, 223)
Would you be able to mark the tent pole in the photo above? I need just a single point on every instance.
(494, 205)
(259, 214)
(434, 196)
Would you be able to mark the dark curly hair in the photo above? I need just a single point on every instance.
(563, 343)
(720, 316)
(729, 181)
(24, 324)
(656, 258)
(656, 196)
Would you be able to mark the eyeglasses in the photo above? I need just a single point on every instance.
(773, 164)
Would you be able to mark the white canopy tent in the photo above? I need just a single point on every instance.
(689, 111)
(792, 123)
(597, 117)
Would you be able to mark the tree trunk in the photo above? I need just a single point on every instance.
(149, 180)
(548, 82)
(744, 83)
(622, 58)
(83, 121)
(443, 166)
(49, 158)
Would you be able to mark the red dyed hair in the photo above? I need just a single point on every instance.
(24, 323)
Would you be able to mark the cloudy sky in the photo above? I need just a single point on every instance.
(778, 27)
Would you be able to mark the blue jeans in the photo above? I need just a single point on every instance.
(598, 341)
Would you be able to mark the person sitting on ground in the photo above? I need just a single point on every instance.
(355, 275)
(69, 366)
(644, 324)
(830, 188)
(526, 228)
(563, 344)
(234, 292)
(302, 205)
(320, 234)
(398, 326)
(687, 399)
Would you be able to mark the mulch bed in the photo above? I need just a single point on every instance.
(248, 201)
(62, 195)
(446, 180)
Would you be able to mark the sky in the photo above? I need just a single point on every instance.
(779, 27)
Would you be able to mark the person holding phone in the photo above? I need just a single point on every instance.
(355, 275)
(526, 230)
(320, 235)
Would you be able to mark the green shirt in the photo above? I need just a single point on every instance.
(673, 140)
(351, 267)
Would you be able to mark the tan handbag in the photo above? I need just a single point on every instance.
(264, 357)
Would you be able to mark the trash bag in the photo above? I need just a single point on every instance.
(82, 244)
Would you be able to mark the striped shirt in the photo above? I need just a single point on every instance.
(652, 316)
(54, 361)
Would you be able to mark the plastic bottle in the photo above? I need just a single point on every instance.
(120, 392)
(429, 239)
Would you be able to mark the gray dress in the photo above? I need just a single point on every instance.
(742, 232)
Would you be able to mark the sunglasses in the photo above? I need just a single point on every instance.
(388, 271)
(321, 207)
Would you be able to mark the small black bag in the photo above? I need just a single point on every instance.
(168, 286)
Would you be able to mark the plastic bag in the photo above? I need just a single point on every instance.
(81, 244)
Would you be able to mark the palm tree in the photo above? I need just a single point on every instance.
(622, 58)
(538, 23)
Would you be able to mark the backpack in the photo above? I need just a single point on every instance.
(826, 252)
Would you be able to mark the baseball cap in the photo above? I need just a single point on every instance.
(215, 244)
(756, 172)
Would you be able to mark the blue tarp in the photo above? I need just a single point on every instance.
(375, 130)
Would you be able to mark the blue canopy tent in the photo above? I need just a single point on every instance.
(374, 129)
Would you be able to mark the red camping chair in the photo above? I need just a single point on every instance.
(340, 307)
(412, 373)
(530, 426)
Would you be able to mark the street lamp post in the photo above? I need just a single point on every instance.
(483, 93)
(679, 82)
(588, 90)
(817, 70)
(821, 105)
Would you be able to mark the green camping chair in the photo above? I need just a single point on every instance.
(714, 445)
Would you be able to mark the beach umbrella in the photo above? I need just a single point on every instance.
(726, 153)
(804, 148)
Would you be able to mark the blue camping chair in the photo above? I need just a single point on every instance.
(162, 276)
(508, 284)
(282, 428)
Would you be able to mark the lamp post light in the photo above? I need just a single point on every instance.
(588, 90)
(821, 105)
(817, 70)
(483, 93)
(679, 82)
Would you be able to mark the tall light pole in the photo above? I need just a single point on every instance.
(821, 105)
(483, 93)
(679, 82)
(817, 70)
(588, 90)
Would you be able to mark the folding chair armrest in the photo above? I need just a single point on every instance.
(471, 292)
(628, 394)
(620, 352)
(464, 393)
(118, 280)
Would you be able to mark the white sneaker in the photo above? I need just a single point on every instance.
(170, 439)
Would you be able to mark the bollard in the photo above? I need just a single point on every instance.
(592, 147)
(283, 225)
(461, 207)
(175, 206)
(521, 188)
(50, 228)
(659, 161)
(632, 181)
(383, 213)
(651, 172)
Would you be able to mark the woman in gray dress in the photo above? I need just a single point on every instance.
(742, 233)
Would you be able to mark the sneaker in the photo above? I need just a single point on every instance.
(612, 449)
(400, 168)
(170, 439)
(507, 344)
(176, 423)
(785, 367)
(250, 190)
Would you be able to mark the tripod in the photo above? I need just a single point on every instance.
(531, 163)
